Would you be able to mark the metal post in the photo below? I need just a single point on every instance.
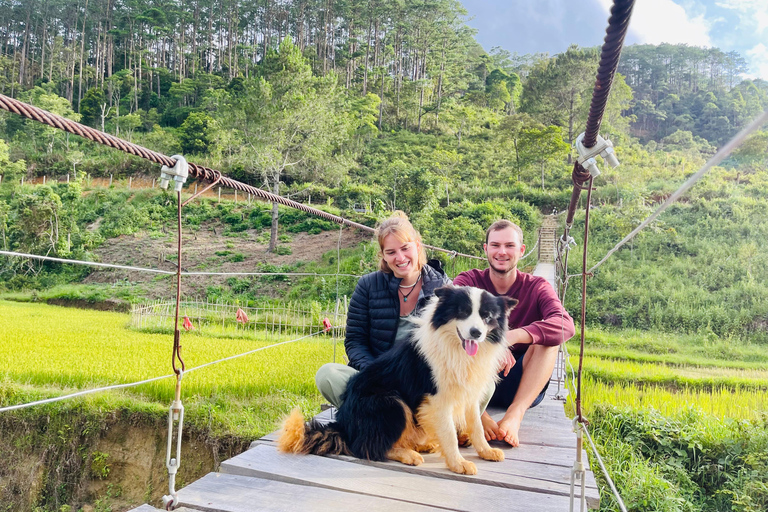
(579, 471)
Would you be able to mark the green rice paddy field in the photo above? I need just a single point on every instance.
(682, 422)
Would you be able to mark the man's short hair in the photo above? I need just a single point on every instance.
(504, 224)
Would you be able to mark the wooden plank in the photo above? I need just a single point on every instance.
(551, 455)
(527, 476)
(218, 492)
(264, 461)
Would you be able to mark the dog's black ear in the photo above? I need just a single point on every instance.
(443, 291)
(509, 303)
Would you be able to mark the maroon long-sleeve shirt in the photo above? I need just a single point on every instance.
(539, 311)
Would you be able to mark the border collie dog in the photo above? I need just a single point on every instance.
(415, 397)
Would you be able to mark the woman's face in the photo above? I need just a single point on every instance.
(402, 257)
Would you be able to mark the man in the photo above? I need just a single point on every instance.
(537, 327)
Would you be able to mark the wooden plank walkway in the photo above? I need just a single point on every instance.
(533, 477)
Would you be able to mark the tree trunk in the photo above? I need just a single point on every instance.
(440, 83)
(381, 95)
(421, 104)
(23, 63)
(367, 53)
(82, 52)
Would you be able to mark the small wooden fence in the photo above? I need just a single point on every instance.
(267, 321)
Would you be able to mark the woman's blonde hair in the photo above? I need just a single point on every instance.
(399, 226)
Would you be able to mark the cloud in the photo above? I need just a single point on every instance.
(758, 61)
(752, 13)
(663, 21)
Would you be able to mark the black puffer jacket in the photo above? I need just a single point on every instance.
(374, 312)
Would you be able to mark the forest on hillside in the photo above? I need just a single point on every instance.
(381, 105)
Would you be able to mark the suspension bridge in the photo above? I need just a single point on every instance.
(548, 471)
(536, 476)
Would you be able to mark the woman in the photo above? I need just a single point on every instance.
(382, 302)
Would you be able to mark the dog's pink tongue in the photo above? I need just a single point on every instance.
(471, 347)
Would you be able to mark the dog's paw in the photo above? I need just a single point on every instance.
(463, 467)
(427, 448)
(463, 439)
(493, 454)
(412, 459)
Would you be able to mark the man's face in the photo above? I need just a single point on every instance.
(503, 250)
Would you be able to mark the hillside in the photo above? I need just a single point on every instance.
(205, 251)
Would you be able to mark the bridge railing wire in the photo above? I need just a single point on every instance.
(146, 381)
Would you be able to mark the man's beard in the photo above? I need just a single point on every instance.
(502, 272)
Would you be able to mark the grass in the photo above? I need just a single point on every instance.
(60, 350)
(680, 421)
(665, 410)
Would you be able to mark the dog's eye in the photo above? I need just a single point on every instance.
(488, 319)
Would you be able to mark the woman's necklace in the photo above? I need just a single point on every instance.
(412, 287)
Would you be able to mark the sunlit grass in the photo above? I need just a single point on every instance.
(720, 403)
(649, 370)
(694, 377)
(77, 349)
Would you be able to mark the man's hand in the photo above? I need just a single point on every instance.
(507, 363)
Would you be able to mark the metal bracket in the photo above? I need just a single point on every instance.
(178, 173)
(602, 147)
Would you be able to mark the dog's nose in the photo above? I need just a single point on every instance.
(474, 333)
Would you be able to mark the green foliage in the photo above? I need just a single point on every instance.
(461, 227)
(711, 101)
(11, 171)
(197, 133)
(99, 467)
(697, 462)
(312, 226)
(90, 106)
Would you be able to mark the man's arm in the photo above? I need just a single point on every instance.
(556, 326)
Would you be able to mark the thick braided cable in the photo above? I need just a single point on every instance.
(609, 61)
(196, 171)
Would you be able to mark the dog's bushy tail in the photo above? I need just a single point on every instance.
(304, 438)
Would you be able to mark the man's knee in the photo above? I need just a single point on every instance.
(542, 354)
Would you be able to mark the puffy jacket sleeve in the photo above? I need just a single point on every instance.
(358, 339)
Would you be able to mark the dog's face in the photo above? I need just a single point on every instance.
(479, 316)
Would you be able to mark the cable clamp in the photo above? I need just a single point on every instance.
(567, 242)
(178, 173)
(602, 147)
